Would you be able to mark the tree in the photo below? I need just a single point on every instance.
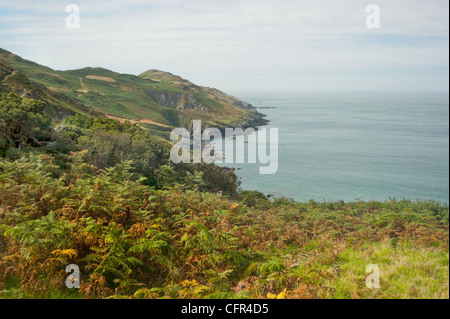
(22, 122)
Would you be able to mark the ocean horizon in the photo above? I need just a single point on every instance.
(354, 146)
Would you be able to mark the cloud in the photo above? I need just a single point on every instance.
(241, 44)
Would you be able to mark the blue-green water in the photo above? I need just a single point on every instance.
(348, 146)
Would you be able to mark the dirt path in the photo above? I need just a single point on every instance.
(83, 88)
(9, 75)
(145, 121)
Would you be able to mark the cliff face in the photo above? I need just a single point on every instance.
(160, 98)
(254, 119)
(179, 101)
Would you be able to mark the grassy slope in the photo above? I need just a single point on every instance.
(186, 244)
(126, 96)
(132, 241)
(59, 105)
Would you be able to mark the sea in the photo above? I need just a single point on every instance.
(353, 146)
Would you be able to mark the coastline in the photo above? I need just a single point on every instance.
(328, 149)
(255, 120)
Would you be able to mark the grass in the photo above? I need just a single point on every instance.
(168, 235)
(127, 98)
(406, 271)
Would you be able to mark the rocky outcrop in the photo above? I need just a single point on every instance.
(243, 105)
(254, 120)
(179, 101)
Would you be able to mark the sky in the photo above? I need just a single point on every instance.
(243, 45)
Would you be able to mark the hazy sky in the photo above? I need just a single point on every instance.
(240, 45)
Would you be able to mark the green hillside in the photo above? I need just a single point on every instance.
(156, 100)
(104, 195)
(58, 105)
(77, 187)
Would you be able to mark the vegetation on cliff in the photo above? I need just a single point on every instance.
(103, 195)
(158, 101)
